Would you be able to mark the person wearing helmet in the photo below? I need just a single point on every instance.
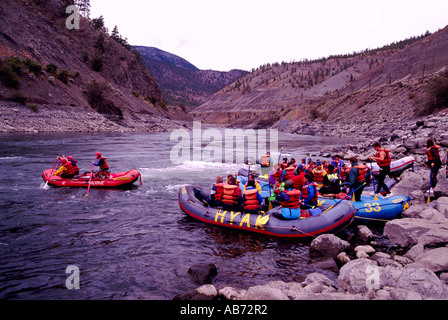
(74, 164)
(66, 170)
(104, 167)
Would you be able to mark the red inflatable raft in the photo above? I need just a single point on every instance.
(116, 180)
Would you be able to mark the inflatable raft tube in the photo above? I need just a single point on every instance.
(116, 180)
(191, 201)
(395, 166)
(371, 210)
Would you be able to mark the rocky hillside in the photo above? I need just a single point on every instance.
(347, 95)
(181, 83)
(58, 79)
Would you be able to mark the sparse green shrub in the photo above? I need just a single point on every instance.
(63, 76)
(52, 69)
(8, 77)
(33, 107)
(438, 89)
(15, 64)
(19, 97)
(97, 63)
(33, 66)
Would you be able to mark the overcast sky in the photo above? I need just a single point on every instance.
(244, 34)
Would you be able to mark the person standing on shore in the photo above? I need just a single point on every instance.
(434, 162)
(383, 160)
(357, 179)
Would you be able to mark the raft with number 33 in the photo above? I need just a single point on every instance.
(332, 219)
(370, 209)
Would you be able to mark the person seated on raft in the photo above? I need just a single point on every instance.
(231, 198)
(216, 192)
(66, 170)
(275, 174)
(284, 164)
(309, 192)
(289, 199)
(289, 172)
(74, 164)
(319, 174)
(331, 182)
(251, 198)
(104, 167)
(252, 178)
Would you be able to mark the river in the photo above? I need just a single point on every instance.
(125, 244)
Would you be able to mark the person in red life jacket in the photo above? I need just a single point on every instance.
(357, 178)
(331, 182)
(275, 174)
(434, 162)
(289, 200)
(251, 198)
(383, 160)
(289, 172)
(344, 172)
(231, 198)
(319, 174)
(66, 170)
(299, 180)
(266, 160)
(284, 164)
(104, 167)
(216, 192)
(309, 192)
(74, 164)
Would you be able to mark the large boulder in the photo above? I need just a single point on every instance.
(265, 292)
(435, 260)
(408, 232)
(327, 245)
(358, 276)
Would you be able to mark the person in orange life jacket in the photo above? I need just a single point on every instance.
(294, 162)
(309, 192)
(319, 174)
(252, 178)
(344, 172)
(231, 198)
(266, 160)
(331, 182)
(289, 200)
(356, 179)
(66, 170)
(251, 198)
(74, 164)
(275, 174)
(434, 161)
(383, 160)
(325, 165)
(104, 167)
(216, 192)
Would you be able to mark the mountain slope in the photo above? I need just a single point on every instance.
(368, 86)
(181, 82)
(79, 71)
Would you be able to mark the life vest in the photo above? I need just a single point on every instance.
(251, 200)
(228, 197)
(305, 191)
(290, 173)
(278, 174)
(284, 165)
(344, 172)
(429, 153)
(294, 201)
(219, 191)
(387, 160)
(265, 161)
(103, 164)
(318, 176)
(361, 177)
(70, 169)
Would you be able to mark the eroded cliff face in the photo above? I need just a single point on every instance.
(90, 72)
(378, 87)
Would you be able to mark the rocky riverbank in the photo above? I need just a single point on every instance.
(409, 261)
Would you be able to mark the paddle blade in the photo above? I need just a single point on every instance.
(264, 220)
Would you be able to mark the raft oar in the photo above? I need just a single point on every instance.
(52, 169)
(430, 185)
(344, 198)
(373, 180)
(90, 180)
